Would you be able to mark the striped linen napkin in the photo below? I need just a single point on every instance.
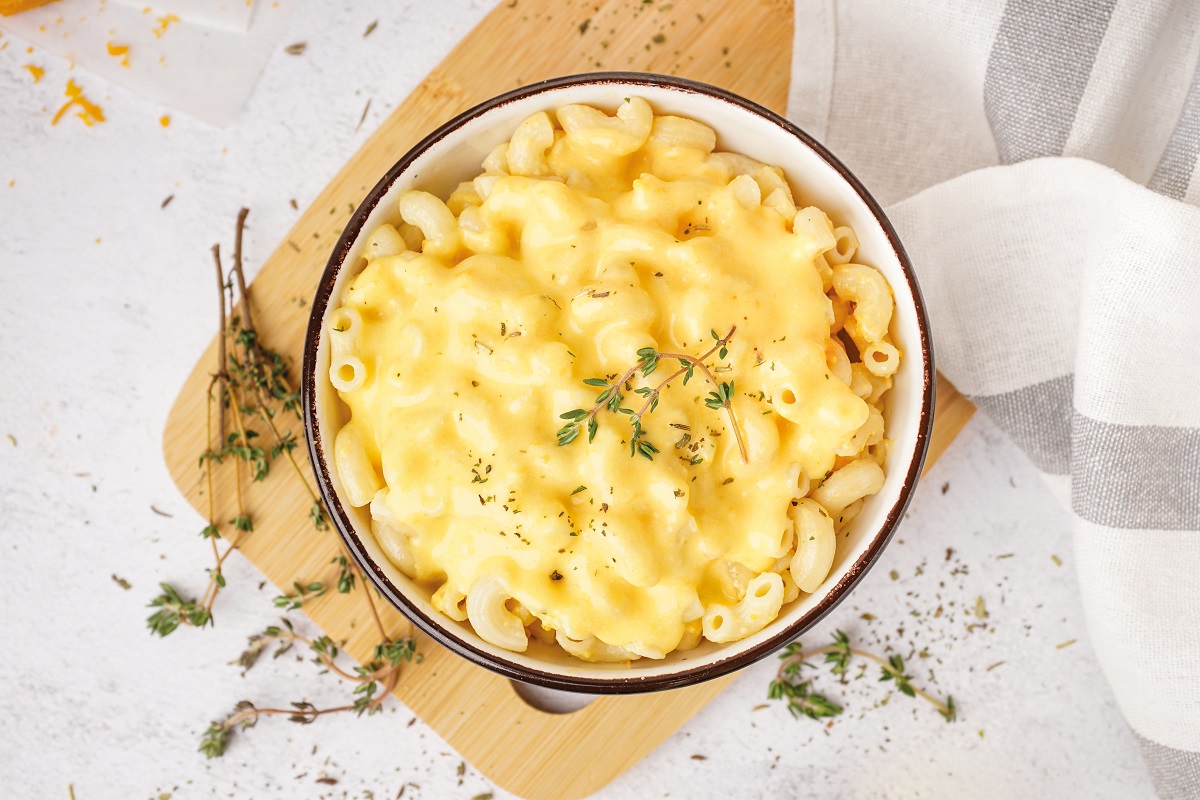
(1040, 162)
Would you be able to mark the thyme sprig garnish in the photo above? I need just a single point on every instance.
(373, 681)
(613, 395)
(803, 702)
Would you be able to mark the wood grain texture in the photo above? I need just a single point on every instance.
(744, 47)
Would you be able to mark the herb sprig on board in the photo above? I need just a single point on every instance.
(251, 386)
(251, 383)
(613, 394)
(373, 681)
(803, 702)
(301, 593)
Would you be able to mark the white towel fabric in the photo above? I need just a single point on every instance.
(1040, 162)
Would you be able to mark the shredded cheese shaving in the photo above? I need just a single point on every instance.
(119, 51)
(89, 112)
(163, 24)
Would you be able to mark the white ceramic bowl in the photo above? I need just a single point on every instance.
(452, 154)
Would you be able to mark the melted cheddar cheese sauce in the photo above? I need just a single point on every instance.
(474, 344)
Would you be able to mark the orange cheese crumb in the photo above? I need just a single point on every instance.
(164, 120)
(89, 112)
(163, 24)
(119, 51)
(36, 71)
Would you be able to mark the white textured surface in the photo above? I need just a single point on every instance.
(96, 340)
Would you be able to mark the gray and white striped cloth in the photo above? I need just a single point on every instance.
(1039, 159)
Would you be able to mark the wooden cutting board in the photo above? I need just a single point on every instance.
(744, 47)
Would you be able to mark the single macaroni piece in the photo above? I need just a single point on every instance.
(393, 536)
(592, 649)
(852, 482)
(881, 358)
(526, 153)
(483, 321)
(492, 620)
(385, 241)
(438, 225)
(815, 545)
(845, 245)
(360, 482)
(764, 596)
(618, 135)
(684, 133)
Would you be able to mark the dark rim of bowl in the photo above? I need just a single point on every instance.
(615, 685)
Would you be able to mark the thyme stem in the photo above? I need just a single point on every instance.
(208, 474)
(257, 712)
(279, 441)
(623, 380)
(699, 362)
(239, 273)
(385, 669)
(648, 361)
(221, 376)
(367, 587)
(252, 354)
(291, 636)
(237, 267)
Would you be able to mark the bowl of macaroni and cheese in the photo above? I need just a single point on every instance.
(617, 383)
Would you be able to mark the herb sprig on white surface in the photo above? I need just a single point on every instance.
(373, 681)
(803, 702)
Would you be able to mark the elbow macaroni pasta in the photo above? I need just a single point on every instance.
(586, 237)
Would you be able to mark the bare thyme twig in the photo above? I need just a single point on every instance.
(237, 266)
(373, 682)
(270, 380)
(221, 376)
(367, 589)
